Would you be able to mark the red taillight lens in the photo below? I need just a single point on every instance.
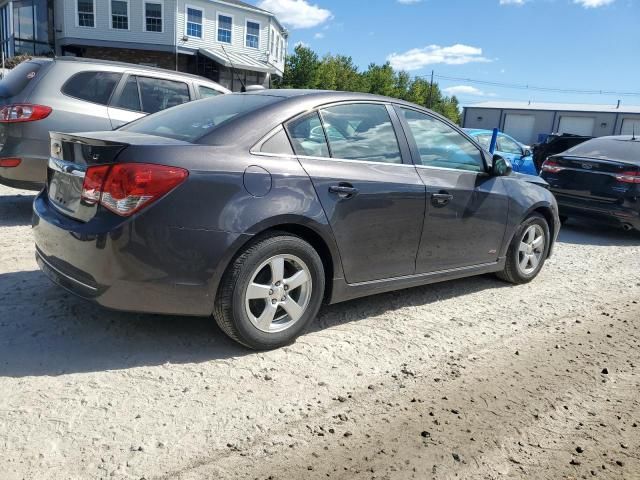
(93, 181)
(551, 166)
(10, 162)
(23, 112)
(126, 188)
(629, 176)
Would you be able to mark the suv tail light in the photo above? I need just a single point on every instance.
(128, 187)
(23, 112)
(551, 166)
(631, 176)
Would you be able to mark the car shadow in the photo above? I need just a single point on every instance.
(46, 331)
(15, 210)
(589, 232)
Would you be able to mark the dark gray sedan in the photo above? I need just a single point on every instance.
(258, 207)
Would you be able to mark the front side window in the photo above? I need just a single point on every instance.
(484, 141)
(153, 17)
(86, 13)
(95, 87)
(361, 132)
(253, 34)
(506, 145)
(225, 24)
(439, 145)
(158, 94)
(194, 22)
(120, 14)
(307, 136)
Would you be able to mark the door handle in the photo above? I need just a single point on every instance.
(441, 199)
(343, 190)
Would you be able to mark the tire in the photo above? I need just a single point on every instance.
(247, 320)
(514, 271)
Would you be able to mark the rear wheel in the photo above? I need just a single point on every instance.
(528, 251)
(271, 292)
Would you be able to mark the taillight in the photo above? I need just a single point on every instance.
(10, 162)
(551, 166)
(23, 112)
(126, 188)
(632, 176)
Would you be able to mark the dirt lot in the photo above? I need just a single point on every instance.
(467, 379)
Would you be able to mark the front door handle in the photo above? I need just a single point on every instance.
(343, 190)
(441, 199)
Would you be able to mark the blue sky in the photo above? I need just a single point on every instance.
(567, 44)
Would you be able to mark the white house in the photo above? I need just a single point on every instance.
(229, 41)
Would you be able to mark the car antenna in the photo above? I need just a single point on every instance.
(244, 87)
(633, 132)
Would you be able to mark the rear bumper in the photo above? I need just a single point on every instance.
(615, 214)
(141, 265)
(31, 174)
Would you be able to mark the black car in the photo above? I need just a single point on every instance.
(598, 179)
(555, 143)
(258, 207)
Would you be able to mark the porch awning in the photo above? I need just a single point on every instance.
(238, 60)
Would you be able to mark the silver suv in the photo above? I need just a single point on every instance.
(69, 95)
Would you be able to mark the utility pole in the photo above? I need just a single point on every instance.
(430, 91)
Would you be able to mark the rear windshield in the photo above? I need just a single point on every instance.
(192, 121)
(17, 79)
(621, 148)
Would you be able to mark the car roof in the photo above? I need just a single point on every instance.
(620, 147)
(124, 65)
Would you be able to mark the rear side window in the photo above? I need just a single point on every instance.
(192, 121)
(361, 132)
(307, 136)
(158, 94)
(17, 79)
(151, 95)
(206, 92)
(94, 87)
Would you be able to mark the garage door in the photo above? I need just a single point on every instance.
(519, 127)
(577, 125)
(629, 126)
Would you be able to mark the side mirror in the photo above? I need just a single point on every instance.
(501, 166)
(526, 152)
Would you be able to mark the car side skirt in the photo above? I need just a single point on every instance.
(343, 291)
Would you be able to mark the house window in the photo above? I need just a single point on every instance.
(153, 17)
(277, 48)
(194, 22)
(120, 14)
(273, 42)
(253, 34)
(225, 24)
(281, 50)
(86, 13)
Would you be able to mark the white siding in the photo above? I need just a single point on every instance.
(210, 32)
(102, 30)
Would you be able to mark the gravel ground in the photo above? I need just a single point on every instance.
(466, 379)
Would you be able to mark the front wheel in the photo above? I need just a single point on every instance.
(271, 292)
(528, 251)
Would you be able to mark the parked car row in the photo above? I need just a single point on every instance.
(258, 207)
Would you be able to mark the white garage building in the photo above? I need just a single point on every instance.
(527, 121)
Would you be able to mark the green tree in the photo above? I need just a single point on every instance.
(338, 73)
(380, 79)
(301, 69)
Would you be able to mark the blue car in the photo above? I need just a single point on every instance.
(519, 155)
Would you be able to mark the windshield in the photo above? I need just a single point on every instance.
(192, 121)
(17, 79)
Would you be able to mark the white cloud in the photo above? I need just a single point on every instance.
(418, 58)
(296, 13)
(593, 3)
(466, 90)
(319, 36)
(409, 2)
(512, 2)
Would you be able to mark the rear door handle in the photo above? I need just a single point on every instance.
(441, 199)
(343, 190)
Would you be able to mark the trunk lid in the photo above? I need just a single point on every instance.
(590, 178)
(72, 154)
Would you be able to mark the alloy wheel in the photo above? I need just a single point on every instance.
(531, 249)
(278, 294)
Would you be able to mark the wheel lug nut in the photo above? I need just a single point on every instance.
(284, 298)
(270, 292)
(273, 301)
(277, 284)
(286, 287)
